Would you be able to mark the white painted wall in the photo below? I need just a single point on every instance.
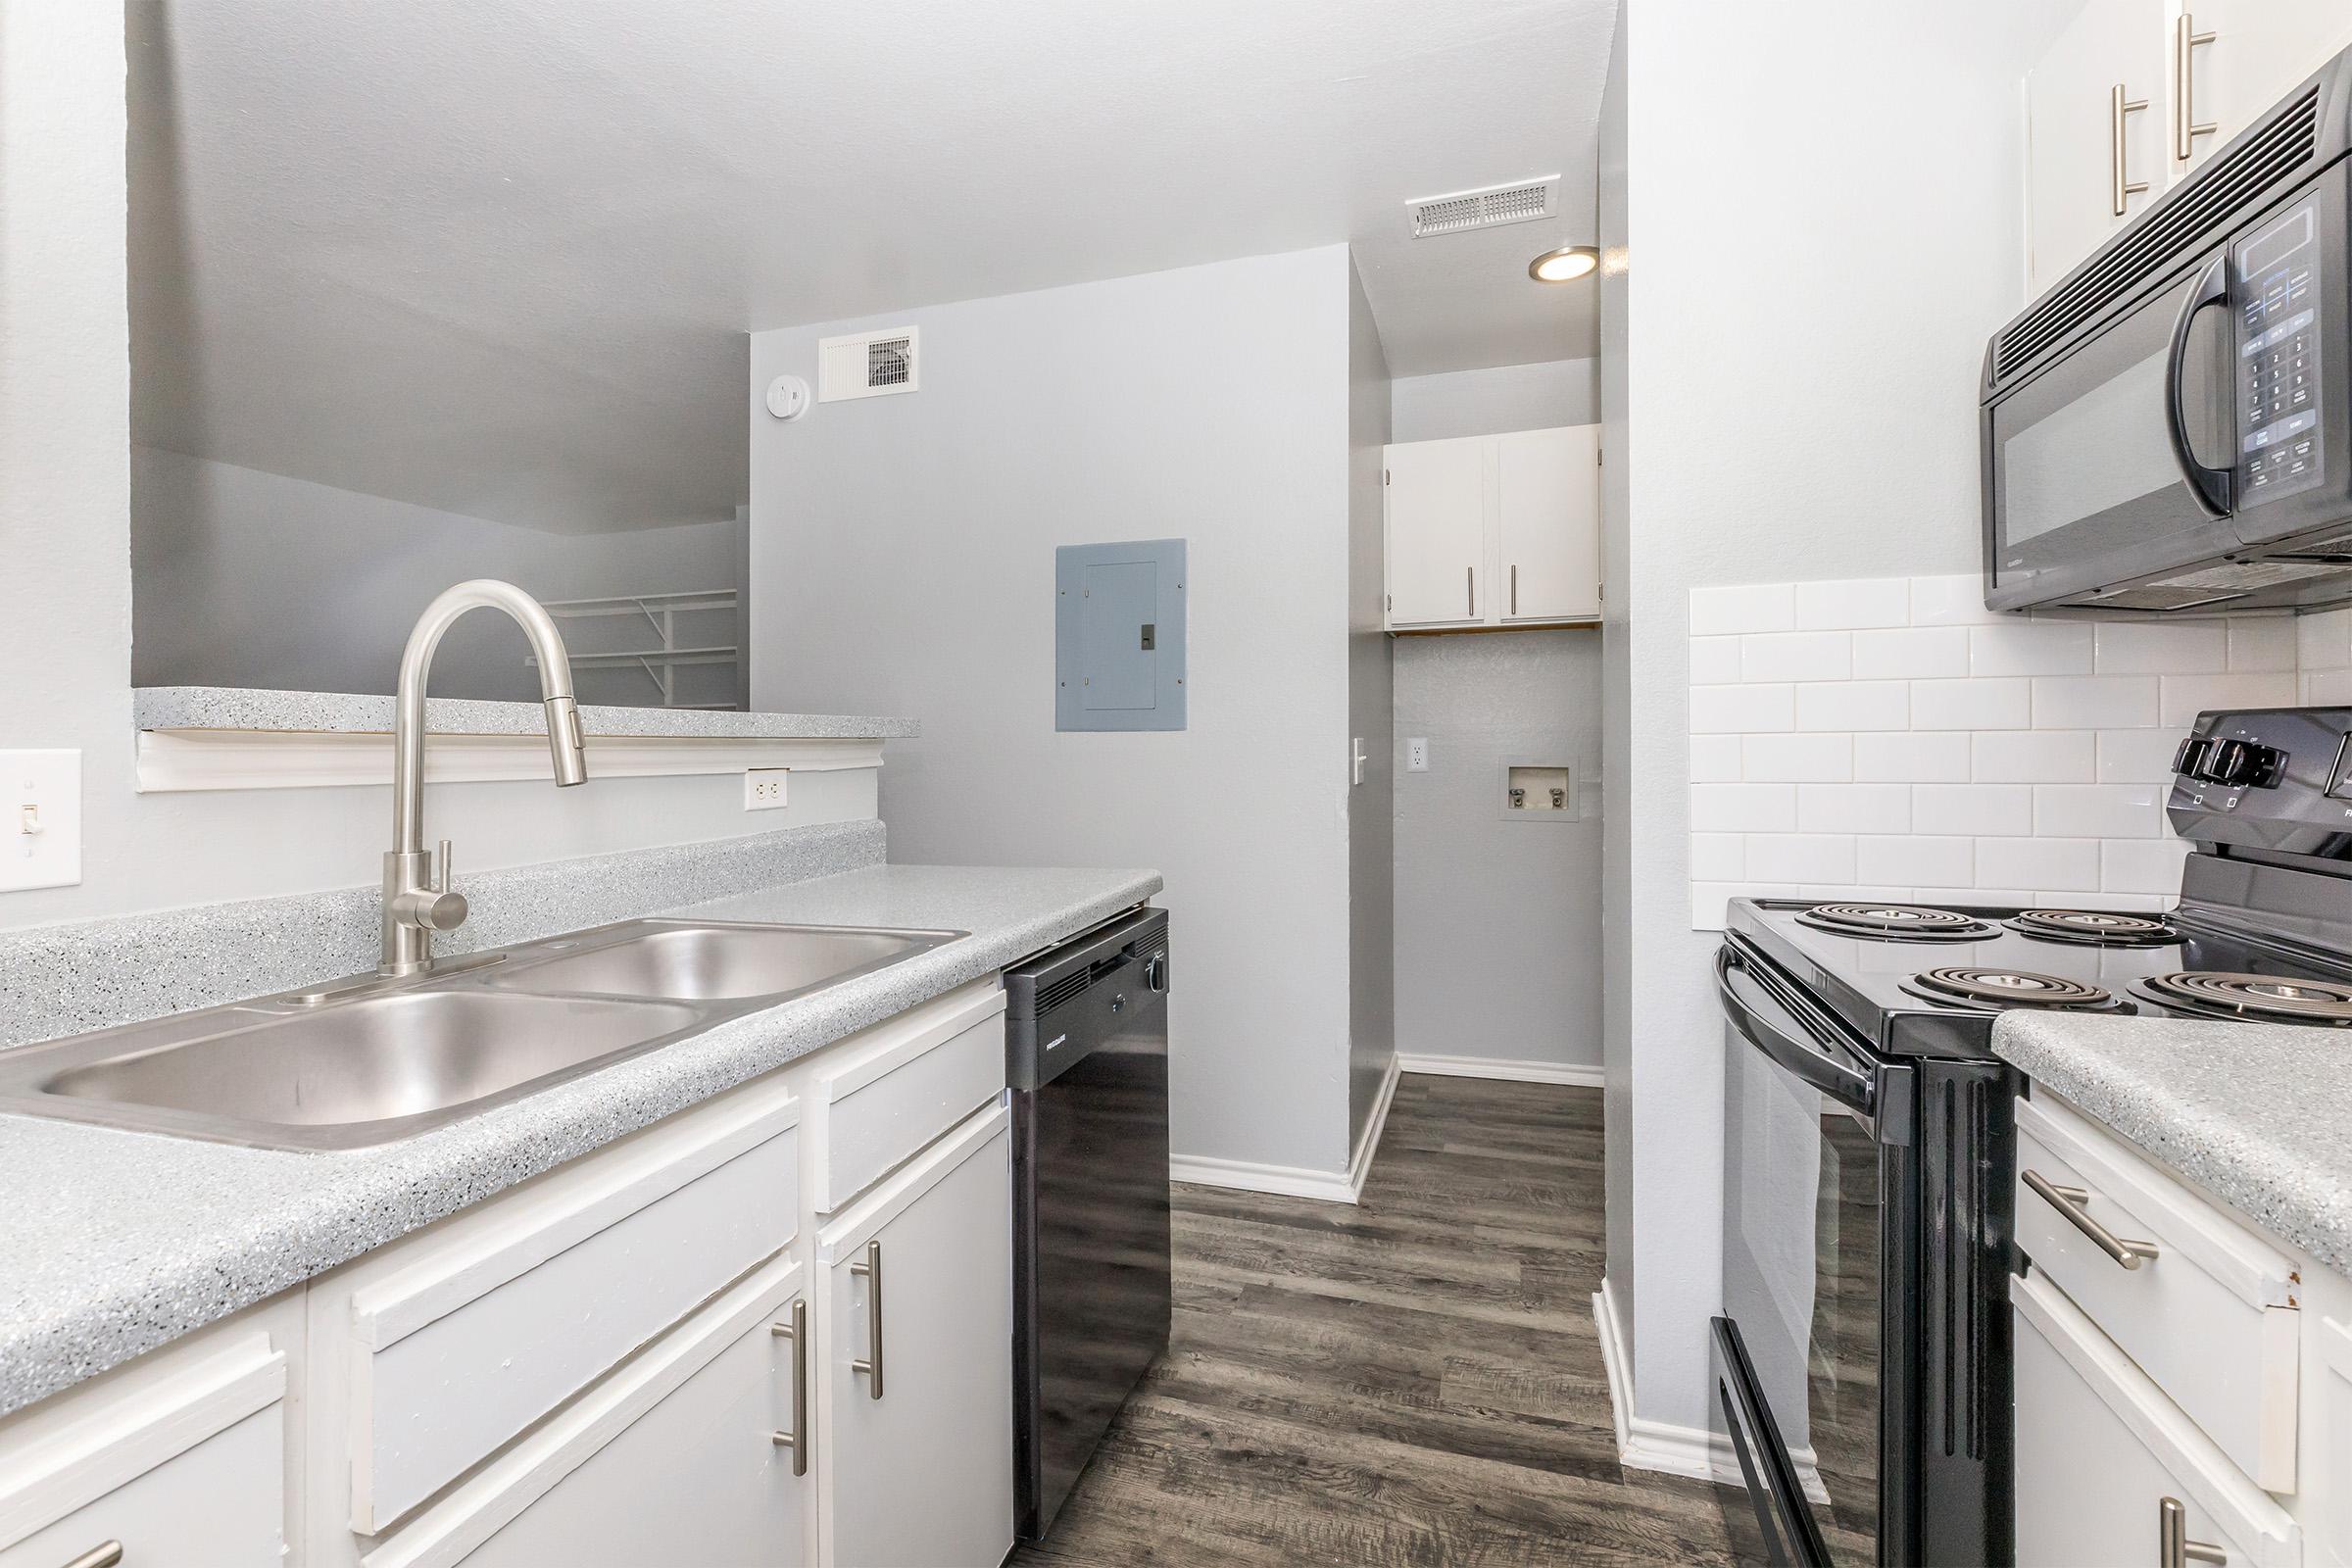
(65, 533)
(1808, 310)
(1371, 718)
(245, 578)
(903, 561)
(1499, 920)
(1505, 397)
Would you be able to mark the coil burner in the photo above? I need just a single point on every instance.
(2219, 995)
(1895, 922)
(2094, 928)
(1967, 986)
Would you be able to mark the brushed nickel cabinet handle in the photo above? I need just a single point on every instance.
(1514, 588)
(2173, 1549)
(2124, 187)
(2071, 1202)
(2185, 128)
(1470, 587)
(871, 1267)
(105, 1554)
(797, 1440)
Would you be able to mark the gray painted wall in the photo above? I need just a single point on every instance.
(1371, 711)
(245, 578)
(1497, 922)
(902, 560)
(1488, 401)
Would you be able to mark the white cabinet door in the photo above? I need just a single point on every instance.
(914, 1451)
(2259, 51)
(1548, 517)
(2071, 183)
(1437, 530)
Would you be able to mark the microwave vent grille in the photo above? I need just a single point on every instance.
(2168, 232)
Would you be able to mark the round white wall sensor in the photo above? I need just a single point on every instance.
(788, 396)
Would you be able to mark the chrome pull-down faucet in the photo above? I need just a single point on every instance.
(417, 898)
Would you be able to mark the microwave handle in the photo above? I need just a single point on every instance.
(2212, 485)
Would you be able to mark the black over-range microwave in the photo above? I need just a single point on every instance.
(2170, 426)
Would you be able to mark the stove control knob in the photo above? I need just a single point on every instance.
(2238, 765)
(2188, 758)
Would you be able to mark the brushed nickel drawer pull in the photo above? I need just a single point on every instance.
(871, 1266)
(797, 1440)
(2185, 127)
(2173, 1549)
(2125, 187)
(105, 1554)
(2072, 1202)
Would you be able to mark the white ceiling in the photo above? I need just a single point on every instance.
(498, 255)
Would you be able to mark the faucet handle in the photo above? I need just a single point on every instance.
(440, 883)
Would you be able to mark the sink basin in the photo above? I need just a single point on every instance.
(688, 962)
(360, 1072)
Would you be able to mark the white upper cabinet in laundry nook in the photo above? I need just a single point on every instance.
(1498, 530)
(2134, 94)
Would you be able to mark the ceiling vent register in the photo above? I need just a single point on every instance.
(867, 365)
(2175, 229)
(1491, 207)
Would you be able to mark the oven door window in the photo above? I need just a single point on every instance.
(2085, 489)
(1801, 1284)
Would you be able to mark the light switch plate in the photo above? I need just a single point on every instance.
(41, 819)
(764, 789)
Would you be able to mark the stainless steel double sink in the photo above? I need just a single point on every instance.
(368, 1060)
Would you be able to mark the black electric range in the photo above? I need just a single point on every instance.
(1862, 1357)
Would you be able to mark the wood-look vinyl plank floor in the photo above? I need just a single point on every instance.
(1416, 1380)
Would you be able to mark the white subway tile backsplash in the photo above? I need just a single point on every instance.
(2055, 865)
(2262, 642)
(1917, 757)
(1743, 807)
(2099, 810)
(1990, 704)
(2162, 647)
(1891, 738)
(1853, 603)
(1797, 655)
(1917, 653)
(2034, 757)
(2095, 702)
(2031, 647)
(1853, 808)
(2187, 696)
(1854, 704)
(1714, 661)
(1973, 808)
(1797, 758)
(1714, 758)
(1741, 709)
(2144, 866)
(1718, 856)
(1801, 856)
(1717, 611)
(1910, 860)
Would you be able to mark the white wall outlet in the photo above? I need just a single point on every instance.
(41, 819)
(764, 789)
(1416, 754)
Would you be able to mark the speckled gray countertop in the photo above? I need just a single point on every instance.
(313, 713)
(2255, 1113)
(113, 1242)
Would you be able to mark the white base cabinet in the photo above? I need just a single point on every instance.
(1495, 531)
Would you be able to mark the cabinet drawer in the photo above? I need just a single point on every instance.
(674, 1459)
(186, 1471)
(2099, 1449)
(469, 1336)
(2210, 1317)
(877, 1098)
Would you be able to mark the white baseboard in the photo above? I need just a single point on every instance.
(1504, 1069)
(1644, 1444)
(1294, 1181)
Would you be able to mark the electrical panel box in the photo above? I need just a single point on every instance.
(1118, 636)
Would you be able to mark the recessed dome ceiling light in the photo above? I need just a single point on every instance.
(1565, 264)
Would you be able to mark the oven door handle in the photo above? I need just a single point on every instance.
(2212, 485)
(1778, 1033)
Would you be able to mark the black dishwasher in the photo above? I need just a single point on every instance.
(1086, 1045)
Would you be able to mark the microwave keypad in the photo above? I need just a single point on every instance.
(2278, 360)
